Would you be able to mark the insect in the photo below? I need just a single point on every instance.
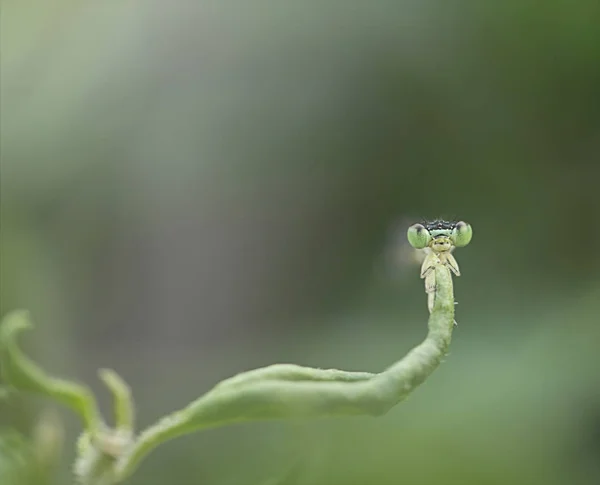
(438, 239)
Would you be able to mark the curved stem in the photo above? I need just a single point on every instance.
(287, 391)
(109, 455)
(123, 408)
(23, 374)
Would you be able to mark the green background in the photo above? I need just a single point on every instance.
(194, 189)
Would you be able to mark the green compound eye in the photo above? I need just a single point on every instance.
(418, 236)
(462, 234)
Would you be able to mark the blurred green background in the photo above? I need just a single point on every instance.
(193, 189)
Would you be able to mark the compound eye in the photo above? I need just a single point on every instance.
(418, 236)
(462, 234)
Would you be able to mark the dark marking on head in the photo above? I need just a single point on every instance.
(440, 225)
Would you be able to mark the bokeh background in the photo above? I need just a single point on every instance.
(193, 189)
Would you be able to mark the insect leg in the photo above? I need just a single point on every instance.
(450, 261)
(430, 288)
(429, 263)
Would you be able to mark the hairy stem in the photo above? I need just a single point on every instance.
(288, 391)
(108, 455)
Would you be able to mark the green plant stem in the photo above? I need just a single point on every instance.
(23, 374)
(123, 408)
(286, 391)
(107, 456)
